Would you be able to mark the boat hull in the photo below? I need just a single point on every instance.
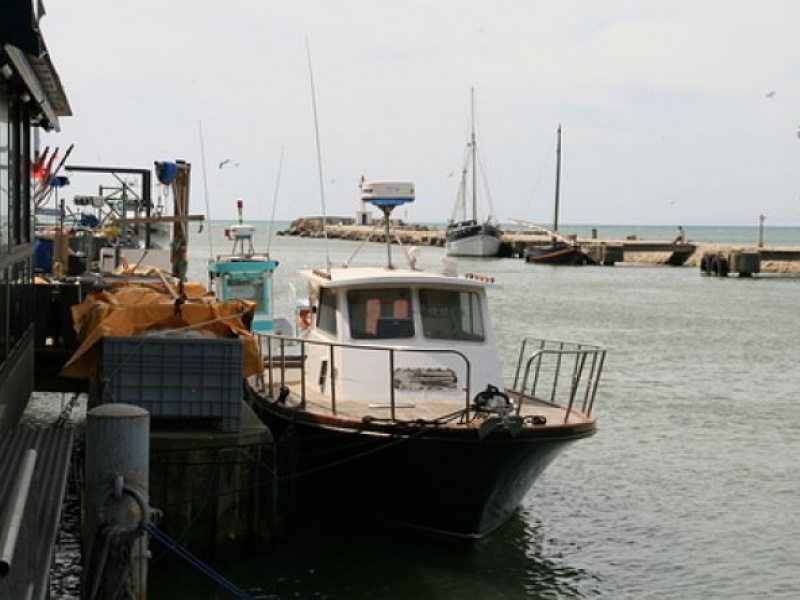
(477, 240)
(439, 480)
(556, 255)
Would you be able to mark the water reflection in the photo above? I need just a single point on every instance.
(324, 559)
(550, 570)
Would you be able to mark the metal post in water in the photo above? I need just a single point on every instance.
(116, 484)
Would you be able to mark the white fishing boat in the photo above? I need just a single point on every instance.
(468, 236)
(393, 404)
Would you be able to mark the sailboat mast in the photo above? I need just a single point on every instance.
(474, 158)
(558, 178)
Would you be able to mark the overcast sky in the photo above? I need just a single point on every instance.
(673, 111)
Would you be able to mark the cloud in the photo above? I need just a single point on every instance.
(659, 100)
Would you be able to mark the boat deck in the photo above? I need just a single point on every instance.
(428, 409)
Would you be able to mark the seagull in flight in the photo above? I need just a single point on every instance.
(226, 161)
(771, 95)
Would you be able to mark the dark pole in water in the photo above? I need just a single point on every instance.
(558, 178)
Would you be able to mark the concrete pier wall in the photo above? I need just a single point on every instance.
(216, 491)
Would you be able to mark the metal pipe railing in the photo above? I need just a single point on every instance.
(548, 361)
(391, 387)
(18, 496)
(281, 363)
(534, 365)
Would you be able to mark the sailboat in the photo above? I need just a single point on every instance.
(560, 250)
(468, 237)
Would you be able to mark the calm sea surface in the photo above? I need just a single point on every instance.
(690, 489)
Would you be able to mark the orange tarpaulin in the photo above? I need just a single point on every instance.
(130, 311)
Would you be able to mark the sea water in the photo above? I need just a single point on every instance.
(689, 489)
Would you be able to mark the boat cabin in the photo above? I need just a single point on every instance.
(244, 274)
(400, 331)
(236, 277)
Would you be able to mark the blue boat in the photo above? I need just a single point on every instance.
(245, 274)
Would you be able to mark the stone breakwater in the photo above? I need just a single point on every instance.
(345, 228)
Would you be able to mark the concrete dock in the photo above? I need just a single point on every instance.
(600, 251)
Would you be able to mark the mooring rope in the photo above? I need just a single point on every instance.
(198, 564)
(425, 425)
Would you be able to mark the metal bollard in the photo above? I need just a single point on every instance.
(115, 501)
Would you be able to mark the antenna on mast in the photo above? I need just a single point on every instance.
(387, 195)
(319, 157)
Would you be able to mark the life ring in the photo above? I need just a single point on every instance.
(304, 318)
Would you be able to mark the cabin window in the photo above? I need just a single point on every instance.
(326, 314)
(247, 289)
(380, 314)
(451, 315)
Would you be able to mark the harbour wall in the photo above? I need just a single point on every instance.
(773, 259)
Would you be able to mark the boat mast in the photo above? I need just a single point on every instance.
(474, 157)
(387, 195)
(558, 178)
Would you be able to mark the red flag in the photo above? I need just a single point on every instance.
(38, 165)
(46, 173)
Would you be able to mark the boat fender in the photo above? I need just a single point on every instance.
(722, 267)
(704, 263)
(304, 318)
(283, 393)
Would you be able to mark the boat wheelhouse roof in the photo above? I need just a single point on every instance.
(385, 277)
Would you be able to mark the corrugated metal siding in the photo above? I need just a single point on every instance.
(33, 557)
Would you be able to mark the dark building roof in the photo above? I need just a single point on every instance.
(24, 55)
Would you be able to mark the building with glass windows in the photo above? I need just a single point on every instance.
(31, 96)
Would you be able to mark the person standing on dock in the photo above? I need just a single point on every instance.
(680, 236)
